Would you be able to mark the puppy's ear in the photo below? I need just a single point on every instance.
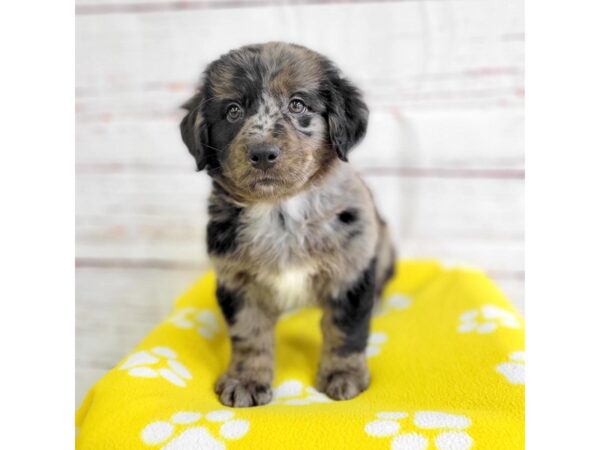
(194, 130)
(348, 115)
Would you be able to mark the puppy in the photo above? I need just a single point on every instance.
(290, 223)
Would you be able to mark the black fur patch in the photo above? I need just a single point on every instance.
(347, 113)
(230, 303)
(278, 130)
(352, 312)
(388, 275)
(304, 121)
(348, 216)
(236, 338)
(195, 138)
(221, 132)
(261, 388)
(221, 236)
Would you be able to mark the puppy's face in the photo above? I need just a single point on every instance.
(270, 118)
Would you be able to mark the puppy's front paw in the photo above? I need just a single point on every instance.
(343, 385)
(241, 393)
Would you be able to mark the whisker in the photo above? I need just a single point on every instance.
(214, 148)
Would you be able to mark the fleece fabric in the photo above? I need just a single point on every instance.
(446, 354)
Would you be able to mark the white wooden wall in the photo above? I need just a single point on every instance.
(444, 151)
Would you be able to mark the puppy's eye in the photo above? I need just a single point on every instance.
(297, 106)
(234, 113)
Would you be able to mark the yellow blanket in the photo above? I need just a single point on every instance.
(446, 359)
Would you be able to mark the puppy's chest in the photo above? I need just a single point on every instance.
(288, 235)
(280, 242)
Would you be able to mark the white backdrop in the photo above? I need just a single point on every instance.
(443, 154)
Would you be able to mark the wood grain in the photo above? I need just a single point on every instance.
(427, 53)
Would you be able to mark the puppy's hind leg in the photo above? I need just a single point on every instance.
(343, 371)
(247, 381)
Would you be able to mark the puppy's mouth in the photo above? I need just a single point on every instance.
(266, 181)
(262, 185)
(266, 186)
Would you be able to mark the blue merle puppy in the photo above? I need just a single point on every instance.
(291, 224)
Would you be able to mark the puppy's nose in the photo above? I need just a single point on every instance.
(263, 156)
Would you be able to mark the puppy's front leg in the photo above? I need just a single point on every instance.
(343, 371)
(247, 381)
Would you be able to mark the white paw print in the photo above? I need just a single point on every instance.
(394, 302)
(204, 321)
(487, 319)
(137, 365)
(376, 340)
(293, 392)
(195, 435)
(513, 370)
(445, 430)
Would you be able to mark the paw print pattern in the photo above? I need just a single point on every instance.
(487, 319)
(203, 320)
(195, 435)
(375, 342)
(164, 362)
(445, 430)
(293, 392)
(513, 370)
(394, 302)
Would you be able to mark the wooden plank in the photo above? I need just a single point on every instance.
(154, 288)
(119, 5)
(422, 53)
(142, 6)
(424, 208)
(90, 7)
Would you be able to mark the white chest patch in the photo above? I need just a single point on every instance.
(291, 288)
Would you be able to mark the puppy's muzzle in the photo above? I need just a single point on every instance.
(263, 156)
